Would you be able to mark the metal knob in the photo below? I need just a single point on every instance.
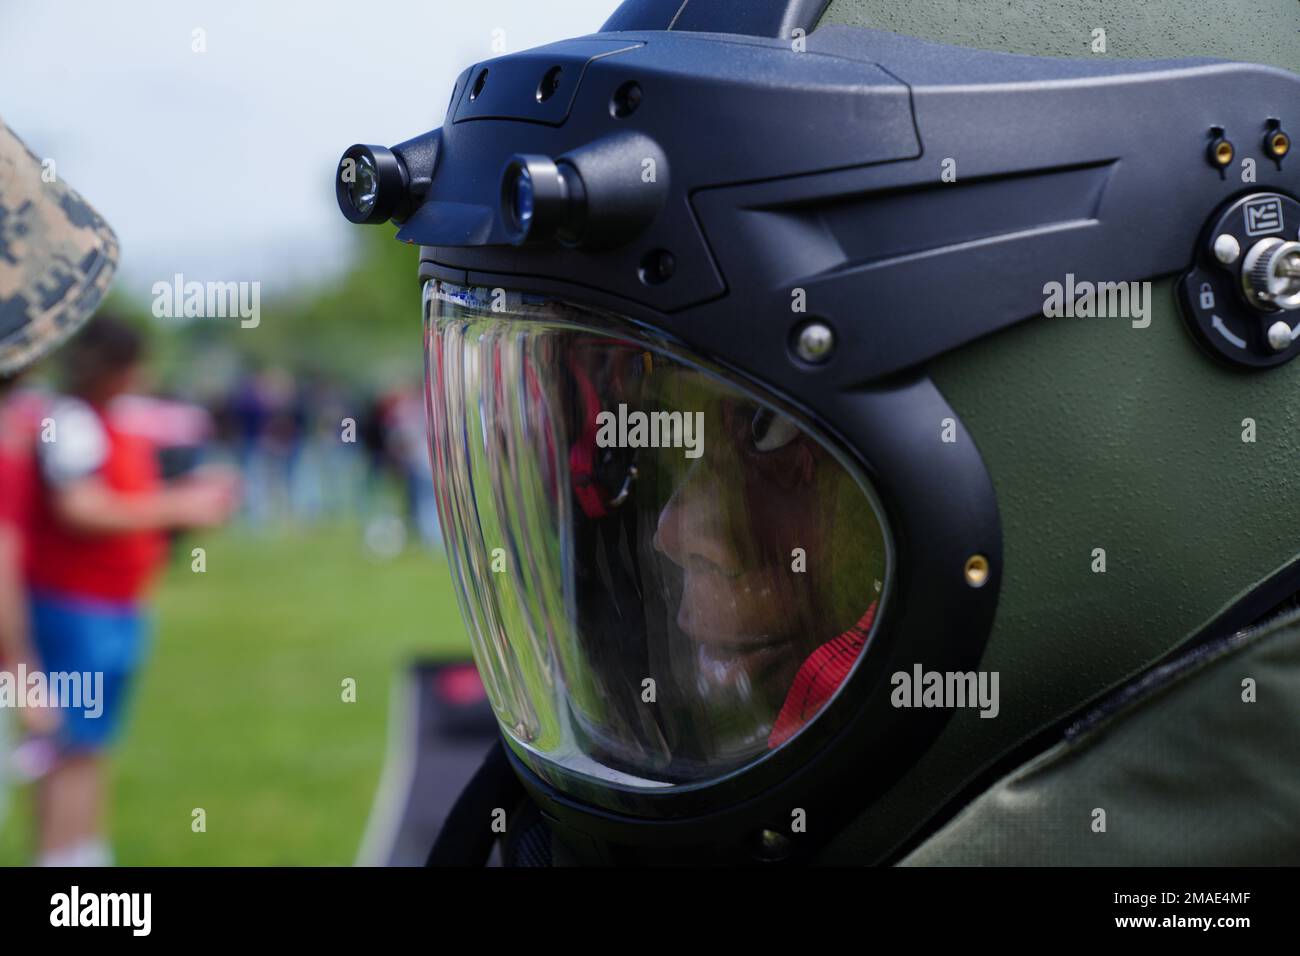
(1270, 275)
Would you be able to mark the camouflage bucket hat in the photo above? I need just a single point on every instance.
(57, 258)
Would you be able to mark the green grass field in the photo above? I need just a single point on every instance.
(239, 710)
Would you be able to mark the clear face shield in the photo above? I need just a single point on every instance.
(665, 576)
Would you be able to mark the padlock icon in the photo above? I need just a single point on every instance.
(1207, 296)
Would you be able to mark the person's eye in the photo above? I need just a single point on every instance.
(770, 430)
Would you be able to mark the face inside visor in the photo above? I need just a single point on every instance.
(665, 576)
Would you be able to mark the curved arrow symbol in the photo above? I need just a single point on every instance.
(1223, 330)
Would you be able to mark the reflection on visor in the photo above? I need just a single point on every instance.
(664, 578)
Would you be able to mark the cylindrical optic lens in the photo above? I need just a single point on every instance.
(371, 184)
(541, 199)
(522, 208)
(365, 186)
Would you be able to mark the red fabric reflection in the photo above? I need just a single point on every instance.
(819, 677)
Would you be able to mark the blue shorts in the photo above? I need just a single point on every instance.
(90, 637)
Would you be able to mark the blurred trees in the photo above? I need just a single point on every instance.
(360, 328)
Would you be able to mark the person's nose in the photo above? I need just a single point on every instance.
(694, 528)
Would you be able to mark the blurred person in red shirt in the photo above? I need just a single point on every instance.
(57, 261)
(96, 541)
(16, 496)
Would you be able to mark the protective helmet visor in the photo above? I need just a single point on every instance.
(665, 575)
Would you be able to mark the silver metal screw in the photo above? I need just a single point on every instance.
(816, 341)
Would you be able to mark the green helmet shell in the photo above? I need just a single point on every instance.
(1253, 31)
(1110, 446)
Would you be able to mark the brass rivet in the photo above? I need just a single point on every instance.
(1223, 153)
(1279, 144)
(977, 570)
(772, 846)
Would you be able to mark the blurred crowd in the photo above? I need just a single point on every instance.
(307, 450)
(311, 450)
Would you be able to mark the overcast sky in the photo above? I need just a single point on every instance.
(219, 165)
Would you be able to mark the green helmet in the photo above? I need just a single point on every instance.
(1149, 507)
(1251, 31)
(866, 431)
